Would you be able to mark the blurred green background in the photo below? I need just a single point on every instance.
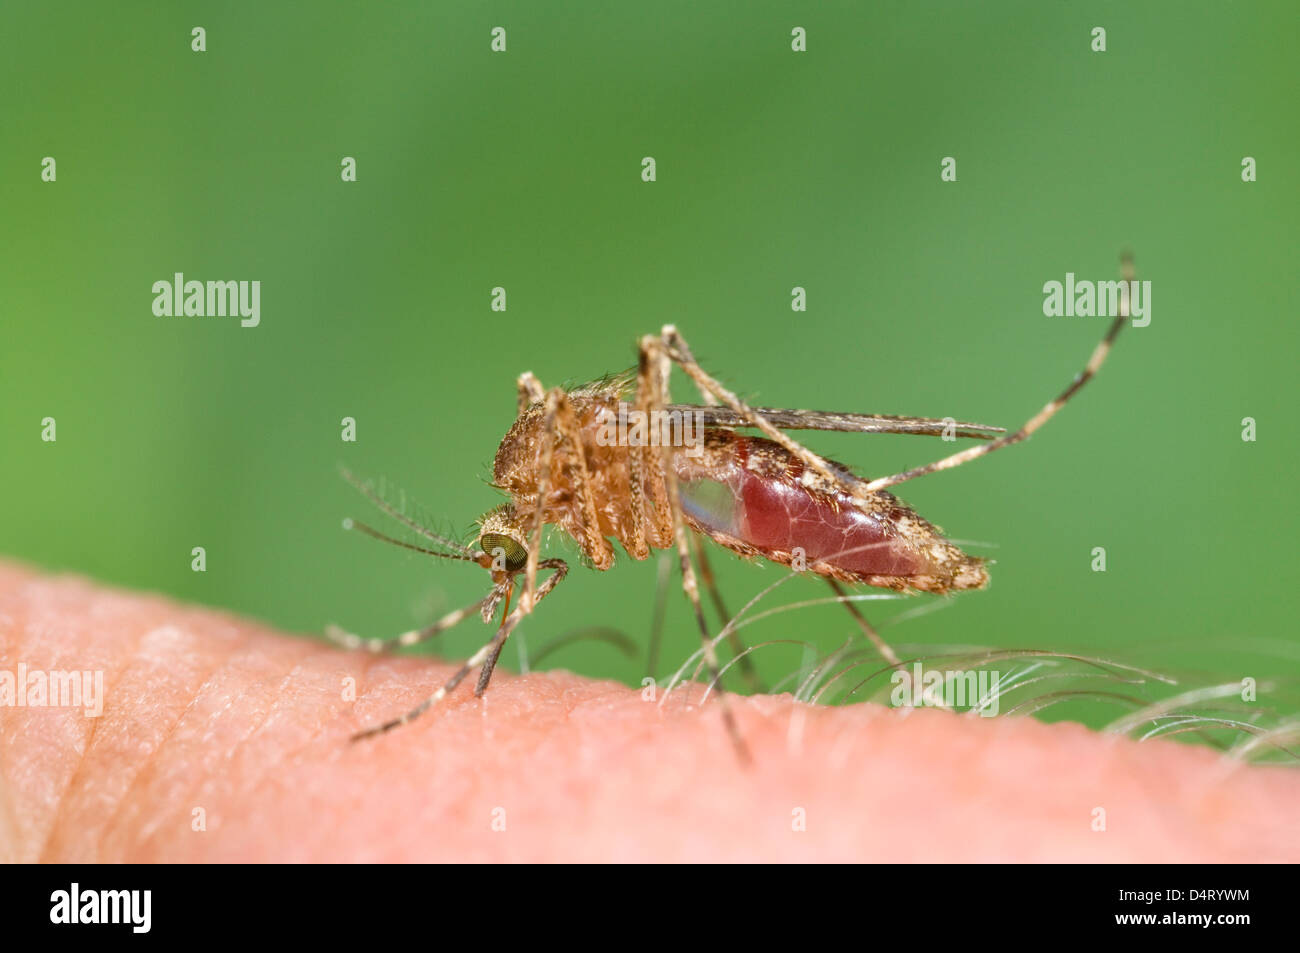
(775, 169)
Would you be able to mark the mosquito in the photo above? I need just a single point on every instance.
(767, 497)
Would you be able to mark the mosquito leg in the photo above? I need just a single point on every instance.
(710, 583)
(654, 367)
(639, 499)
(349, 641)
(530, 390)
(678, 350)
(648, 462)
(738, 649)
(561, 569)
(867, 628)
(657, 620)
(425, 705)
(550, 437)
(644, 492)
(1098, 358)
(491, 649)
(510, 620)
(594, 545)
(558, 424)
(692, 590)
(637, 545)
(489, 666)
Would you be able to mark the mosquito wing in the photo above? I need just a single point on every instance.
(847, 423)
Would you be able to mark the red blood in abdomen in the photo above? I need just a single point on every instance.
(778, 516)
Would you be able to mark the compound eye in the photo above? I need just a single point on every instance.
(503, 548)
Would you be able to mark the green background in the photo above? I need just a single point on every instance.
(775, 169)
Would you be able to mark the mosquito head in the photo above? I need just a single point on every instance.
(502, 543)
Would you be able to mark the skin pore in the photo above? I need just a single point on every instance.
(222, 740)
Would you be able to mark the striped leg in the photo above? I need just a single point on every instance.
(738, 649)
(867, 628)
(559, 424)
(530, 390)
(490, 663)
(549, 440)
(655, 365)
(1098, 358)
(490, 650)
(675, 346)
(375, 646)
(594, 545)
(657, 619)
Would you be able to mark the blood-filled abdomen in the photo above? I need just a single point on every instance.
(753, 492)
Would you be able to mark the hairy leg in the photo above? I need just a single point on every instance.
(1099, 355)
(485, 656)
(738, 648)
(653, 376)
(347, 640)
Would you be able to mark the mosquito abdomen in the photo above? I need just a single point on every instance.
(751, 495)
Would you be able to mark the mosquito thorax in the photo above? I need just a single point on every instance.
(518, 450)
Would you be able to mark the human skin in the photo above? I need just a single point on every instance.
(212, 717)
